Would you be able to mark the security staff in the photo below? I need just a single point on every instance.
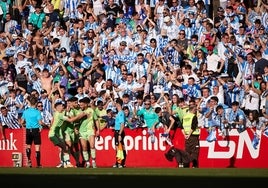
(191, 133)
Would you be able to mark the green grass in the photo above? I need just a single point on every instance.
(218, 172)
(138, 177)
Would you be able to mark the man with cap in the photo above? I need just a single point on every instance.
(214, 61)
(162, 39)
(172, 29)
(123, 51)
(75, 76)
(47, 105)
(63, 55)
(10, 85)
(231, 91)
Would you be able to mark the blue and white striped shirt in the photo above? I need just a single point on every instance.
(11, 121)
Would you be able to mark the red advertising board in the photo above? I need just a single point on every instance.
(237, 151)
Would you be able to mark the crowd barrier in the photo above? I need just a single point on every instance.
(237, 151)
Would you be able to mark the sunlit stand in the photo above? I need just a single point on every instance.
(17, 159)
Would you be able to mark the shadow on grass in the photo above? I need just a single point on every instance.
(58, 181)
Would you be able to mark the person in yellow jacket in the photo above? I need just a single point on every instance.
(191, 133)
(58, 5)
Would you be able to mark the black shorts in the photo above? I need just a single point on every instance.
(116, 134)
(33, 136)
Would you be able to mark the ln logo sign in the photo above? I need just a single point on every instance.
(243, 140)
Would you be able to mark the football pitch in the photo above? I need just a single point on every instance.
(141, 177)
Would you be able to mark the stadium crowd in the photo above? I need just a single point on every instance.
(161, 57)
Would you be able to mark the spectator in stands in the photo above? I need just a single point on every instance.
(237, 117)
(10, 24)
(251, 98)
(46, 116)
(7, 70)
(47, 105)
(191, 89)
(8, 120)
(37, 17)
(260, 63)
(46, 79)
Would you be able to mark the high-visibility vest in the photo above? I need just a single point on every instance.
(187, 123)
